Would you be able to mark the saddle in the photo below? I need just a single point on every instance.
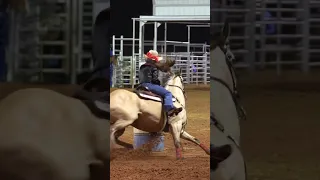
(144, 93)
(97, 102)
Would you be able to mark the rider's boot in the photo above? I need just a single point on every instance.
(174, 111)
(219, 154)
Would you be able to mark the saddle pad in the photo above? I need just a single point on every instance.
(154, 97)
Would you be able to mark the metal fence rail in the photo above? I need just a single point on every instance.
(52, 42)
(293, 45)
(39, 41)
(195, 65)
(37, 53)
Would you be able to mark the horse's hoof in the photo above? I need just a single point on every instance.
(208, 152)
(130, 148)
(180, 158)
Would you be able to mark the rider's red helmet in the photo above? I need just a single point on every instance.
(153, 55)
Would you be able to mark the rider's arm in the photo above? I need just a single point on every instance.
(162, 67)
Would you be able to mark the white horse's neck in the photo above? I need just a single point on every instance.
(175, 90)
(222, 103)
(219, 67)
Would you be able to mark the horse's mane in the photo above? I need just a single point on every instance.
(166, 65)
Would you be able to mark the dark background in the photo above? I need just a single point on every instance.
(123, 10)
(279, 138)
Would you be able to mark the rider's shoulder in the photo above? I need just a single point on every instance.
(147, 65)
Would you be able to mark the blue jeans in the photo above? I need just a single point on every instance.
(161, 91)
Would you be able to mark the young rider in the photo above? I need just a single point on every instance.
(148, 77)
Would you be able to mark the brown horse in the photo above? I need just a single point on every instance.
(144, 110)
(47, 135)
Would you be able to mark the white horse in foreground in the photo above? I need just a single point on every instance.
(45, 135)
(225, 127)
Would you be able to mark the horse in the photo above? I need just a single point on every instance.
(225, 108)
(144, 110)
(47, 135)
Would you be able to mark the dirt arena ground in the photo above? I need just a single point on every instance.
(280, 139)
(162, 165)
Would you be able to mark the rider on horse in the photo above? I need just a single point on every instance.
(148, 77)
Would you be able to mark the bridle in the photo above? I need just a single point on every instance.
(181, 88)
(235, 96)
(233, 90)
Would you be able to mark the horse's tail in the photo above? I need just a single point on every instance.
(25, 164)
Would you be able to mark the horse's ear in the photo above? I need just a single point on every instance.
(180, 71)
(226, 30)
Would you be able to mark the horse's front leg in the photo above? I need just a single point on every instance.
(175, 130)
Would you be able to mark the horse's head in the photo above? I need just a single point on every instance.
(175, 78)
(221, 40)
(165, 65)
(221, 57)
(174, 84)
(221, 67)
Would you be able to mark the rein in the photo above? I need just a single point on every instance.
(234, 91)
(221, 128)
(183, 91)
